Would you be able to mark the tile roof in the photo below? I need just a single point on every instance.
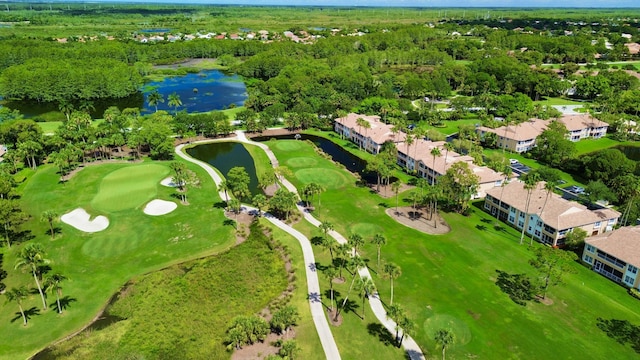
(379, 131)
(623, 243)
(527, 130)
(558, 212)
(582, 121)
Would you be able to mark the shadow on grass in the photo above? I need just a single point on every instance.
(220, 205)
(379, 331)
(29, 313)
(622, 331)
(316, 240)
(65, 303)
(481, 227)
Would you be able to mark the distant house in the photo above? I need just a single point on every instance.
(615, 255)
(559, 216)
(634, 48)
(370, 139)
(517, 138)
(584, 126)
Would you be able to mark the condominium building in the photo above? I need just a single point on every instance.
(584, 126)
(517, 138)
(548, 217)
(615, 255)
(369, 137)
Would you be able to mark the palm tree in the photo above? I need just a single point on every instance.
(49, 216)
(361, 123)
(447, 147)
(328, 243)
(155, 98)
(18, 295)
(260, 201)
(396, 313)
(530, 184)
(367, 288)
(395, 187)
(435, 152)
(66, 108)
(355, 264)
(549, 186)
(506, 171)
(52, 284)
(224, 186)
(331, 272)
(444, 338)
(378, 240)
(31, 257)
(356, 240)
(175, 101)
(391, 271)
(409, 139)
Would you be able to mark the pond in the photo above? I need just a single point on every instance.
(631, 152)
(200, 92)
(226, 155)
(338, 154)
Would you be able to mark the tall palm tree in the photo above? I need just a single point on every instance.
(367, 288)
(328, 243)
(395, 187)
(18, 295)
(175, 101)
(435, 152)
(530, 183)
(396, 313)
(378, 240)
(155, 98)
(52, 283)
(506, 172)
(447, 147)
(66, 108)
(549, 186)
(356, 240)
(409, 139)
(361, 123)
(224, 186)
(444, 338)
(331, 272)
(355, 264)
(30, 258)
(391, 271)
(50, 217)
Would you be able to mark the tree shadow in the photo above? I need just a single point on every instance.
(316, 240)
(350, 306)
(18, 237)
(65, 302)
(518, 287)
(220, 205)
(320, 267)
(486, 221)
(481, 227)
(379, 331)
(383, 205)
(622, 331)
(29, 313)
(229, 222)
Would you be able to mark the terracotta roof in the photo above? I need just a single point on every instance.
(582, 121)
(558, 212)
(527, 130)
(623, 243)
(634, 48)
(379, 131)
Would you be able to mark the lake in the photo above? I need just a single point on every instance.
(216, 90)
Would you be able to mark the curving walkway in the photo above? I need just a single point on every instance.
(313, 285)
(411, 347)
(317, 309)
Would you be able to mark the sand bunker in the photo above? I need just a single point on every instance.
(168, 182)
(159, 207)
(80, 220)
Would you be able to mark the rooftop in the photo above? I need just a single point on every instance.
(623, 243)
(527, 130)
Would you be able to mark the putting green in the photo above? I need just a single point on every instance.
(367, 230)
(302, 162)
(458, 327)
(129, 187)
(288, 145)
(327, 178)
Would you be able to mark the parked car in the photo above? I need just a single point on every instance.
(513, 161)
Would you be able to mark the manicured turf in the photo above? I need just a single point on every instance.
(593, 145)
(559, 101)
(301, 162)
(449, 280)
(327, 178)
(129, 188)
(98, 264)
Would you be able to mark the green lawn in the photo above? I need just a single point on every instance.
(559, 101)
(593, 145)
(99, 264)
(449, 280)
(50, 127)
(129, 188)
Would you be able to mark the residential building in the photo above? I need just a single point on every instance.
(615, 255)
(372, 138)
(417, 157)
(517, 138)
(549, 217)
(584, 126)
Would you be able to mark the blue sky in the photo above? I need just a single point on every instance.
(416, 3)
